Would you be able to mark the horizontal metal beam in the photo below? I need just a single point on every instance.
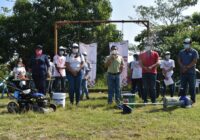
(101, 21)
(143, 103)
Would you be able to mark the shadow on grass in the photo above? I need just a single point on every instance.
(169, 109)
(4, 112)
(3, 105)
(93, 106)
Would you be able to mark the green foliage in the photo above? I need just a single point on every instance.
(165, 11)
(33, 23)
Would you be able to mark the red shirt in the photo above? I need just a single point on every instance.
(148, 60)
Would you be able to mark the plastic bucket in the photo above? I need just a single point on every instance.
(59, 98)
(129, 98)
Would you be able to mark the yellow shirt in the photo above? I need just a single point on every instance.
(114, 67)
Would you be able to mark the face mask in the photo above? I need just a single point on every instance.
(75, 50)
(61, 53)
(186, 46)
(114, 52)
(148, 48)
(19, 65)
(167, 57)
(38, 52)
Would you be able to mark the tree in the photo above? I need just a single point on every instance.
(165, 11)
(33, 23)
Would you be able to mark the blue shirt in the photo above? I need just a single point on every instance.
(39, 65)
(187, 56)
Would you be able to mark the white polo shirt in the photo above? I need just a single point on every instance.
(74, 61)
(136, 70)
(166, 65)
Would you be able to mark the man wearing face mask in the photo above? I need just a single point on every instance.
(167, 65)
(149, 62)
(39, 66)
(187, 60)
(59, 61)
(115, 65)
(74, 65)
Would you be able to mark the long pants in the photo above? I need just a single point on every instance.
(74, 87)
(60, 84)
(113, 87)
(84, 89)
(190, 80)
(137, 83)
(171, 89)
(40, 83)
(149, 86)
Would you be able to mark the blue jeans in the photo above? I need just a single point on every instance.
(149, 86)
(190, 80)
(84, 88)
(74, 87)
(113, 87)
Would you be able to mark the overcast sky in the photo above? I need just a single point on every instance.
(122, 9)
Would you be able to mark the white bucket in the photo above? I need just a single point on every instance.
(59, 98)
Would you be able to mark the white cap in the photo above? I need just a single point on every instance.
(84, 53)
(167, 52)
(75, 45)
(62, 48)
(187, 41)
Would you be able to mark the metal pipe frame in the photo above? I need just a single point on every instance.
(59, 24)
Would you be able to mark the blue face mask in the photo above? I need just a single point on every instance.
(186, 46)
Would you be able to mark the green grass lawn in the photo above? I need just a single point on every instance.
(95, 120)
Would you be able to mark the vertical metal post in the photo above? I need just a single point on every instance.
(55, 38)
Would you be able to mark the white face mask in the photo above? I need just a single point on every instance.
(61, 53)
(167, 57)
(186, 46)
(148, 48)
(75, 50)
(114, 52)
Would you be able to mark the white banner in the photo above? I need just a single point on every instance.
(91, 50)
(123, 51)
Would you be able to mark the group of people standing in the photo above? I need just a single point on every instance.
(73, 67)
(144, 72)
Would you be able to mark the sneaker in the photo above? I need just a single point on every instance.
(87, 97)
(77, 104)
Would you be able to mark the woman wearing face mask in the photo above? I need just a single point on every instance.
(74, 65)
(167, 65)
(39, 66)
(60, 73)
(187, 60)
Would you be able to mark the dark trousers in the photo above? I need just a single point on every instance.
(60, 84)
(149, 86)
(188, 79)
(40, 83)
(171, 89)
(137, 85)
(74, 87)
